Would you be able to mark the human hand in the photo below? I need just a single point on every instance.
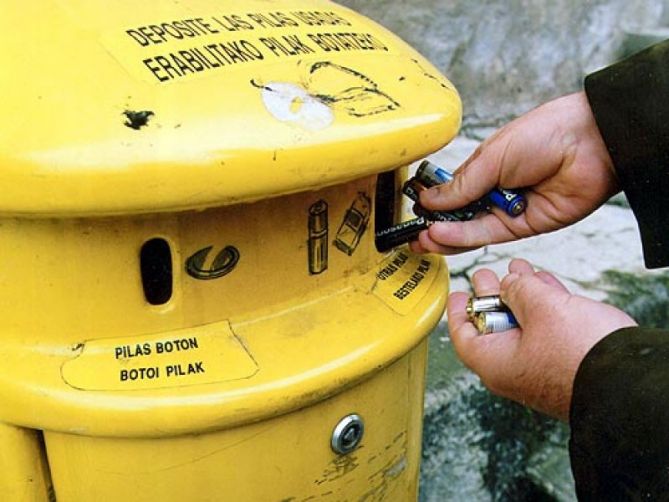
(555, 153)
(535, 364)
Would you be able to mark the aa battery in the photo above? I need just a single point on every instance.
(434, 215)
(432, 175)
(493, 322)
(412, 189)
(479, 304)
(490, 314)
(402, 233)
(513, 203)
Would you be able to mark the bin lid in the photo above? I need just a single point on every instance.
(130, 107)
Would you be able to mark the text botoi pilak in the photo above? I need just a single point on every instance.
(170, 370)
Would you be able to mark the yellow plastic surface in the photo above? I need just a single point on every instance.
(24, 474)
(306, 94)
(248, 139)
(270, 336)
(285, 458)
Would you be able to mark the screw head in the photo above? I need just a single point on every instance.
(347, 434)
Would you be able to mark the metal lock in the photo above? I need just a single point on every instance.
(347, 434)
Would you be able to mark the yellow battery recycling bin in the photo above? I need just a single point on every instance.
(193, 306)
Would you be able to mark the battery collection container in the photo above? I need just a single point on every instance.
(193, 306)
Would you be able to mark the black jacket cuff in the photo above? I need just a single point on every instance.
(630, 102)
(619, 418)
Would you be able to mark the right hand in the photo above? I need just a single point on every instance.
(555, 153)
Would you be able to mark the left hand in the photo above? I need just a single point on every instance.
(535, 364)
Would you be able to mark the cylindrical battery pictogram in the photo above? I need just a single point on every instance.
(318, 237)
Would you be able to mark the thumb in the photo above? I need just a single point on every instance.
(529, 295)
(471, 182)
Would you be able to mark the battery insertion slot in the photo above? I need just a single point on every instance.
(385, 201)
(156, 271)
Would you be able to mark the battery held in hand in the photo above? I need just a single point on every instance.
(479, 304)
(402, 233)
(493, 322)
(513, 203)
(434, 215)
(412, 189)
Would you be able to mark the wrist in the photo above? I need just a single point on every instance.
(591, 133)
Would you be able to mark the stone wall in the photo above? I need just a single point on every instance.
(505, 57)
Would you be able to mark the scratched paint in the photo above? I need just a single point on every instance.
(387, 465)
(291, 103)
(324, 89)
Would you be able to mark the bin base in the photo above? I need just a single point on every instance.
(287, 458)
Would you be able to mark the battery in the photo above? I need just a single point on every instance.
(493, 322)
(478, 304)
(513, 203)
(432, 175)
(412, 189)
(402, 233)
(434, 215)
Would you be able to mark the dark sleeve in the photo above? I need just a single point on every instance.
(630, 102)
(619, 418)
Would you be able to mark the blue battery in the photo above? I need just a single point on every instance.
(431, 174)
(412, 189)
(511, 202)
(494, 322)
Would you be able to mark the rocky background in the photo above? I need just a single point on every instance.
(506, 57)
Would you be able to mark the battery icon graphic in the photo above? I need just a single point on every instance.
(318, 237)
(354, 225)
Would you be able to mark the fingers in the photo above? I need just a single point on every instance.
(417, 247)
(473, 180)
(523, 267)
(426, 244)
(485, 282)
(527, 294)
(459, 326)
(551, 280)
(472, 234)
(465, 337)
(520, 266)
(493, 164)
(484, 355)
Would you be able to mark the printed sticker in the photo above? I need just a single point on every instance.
(204, 355)
(404, 279)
